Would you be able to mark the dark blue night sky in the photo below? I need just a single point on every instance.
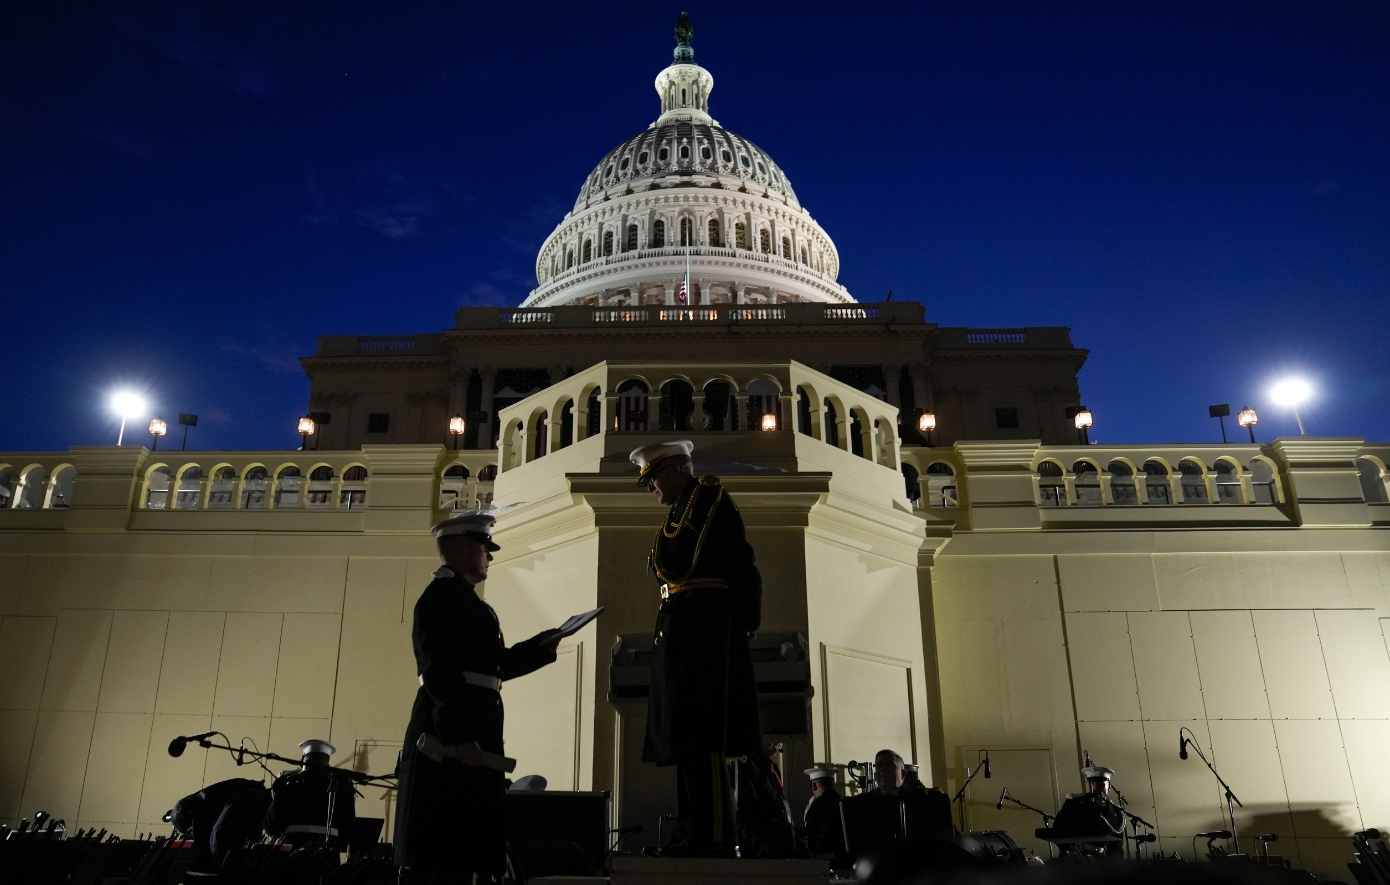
(193, 191)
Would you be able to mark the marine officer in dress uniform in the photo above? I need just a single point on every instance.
(824, 832)
(1092, 811)
(313, 803)
(449, 817)
(703, 704)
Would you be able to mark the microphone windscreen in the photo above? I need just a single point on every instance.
(176, 746)
(986, 765)
(1182, 746)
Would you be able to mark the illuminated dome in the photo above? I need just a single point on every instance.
(686, 196)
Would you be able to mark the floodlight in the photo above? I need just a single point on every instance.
(1292, 392)
(127, 405)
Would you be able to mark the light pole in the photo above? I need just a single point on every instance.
(127, 405)
(1220, 411)
(926, 424)
(1292, 393)
(456, 427)
(306, 427)
(187, 421)
(158, 428)
(1248, 419)
(1083, 425)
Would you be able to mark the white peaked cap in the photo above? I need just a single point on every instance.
(648, 457)
(317, 746)
(818, 773)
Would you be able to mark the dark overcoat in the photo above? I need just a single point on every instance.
(300, 796)
(450, 815)
(703, 696)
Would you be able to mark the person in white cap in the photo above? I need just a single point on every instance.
(703, 702)
(1093, 812)
(313, 804)
(824, 834)
(449, 822)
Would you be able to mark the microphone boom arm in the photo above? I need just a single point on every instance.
(1230, 795)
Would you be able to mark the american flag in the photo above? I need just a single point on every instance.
(681, 294)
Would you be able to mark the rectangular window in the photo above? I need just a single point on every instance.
(1006, 418)
(379, 422)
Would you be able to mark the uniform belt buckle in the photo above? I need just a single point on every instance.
(665, 591)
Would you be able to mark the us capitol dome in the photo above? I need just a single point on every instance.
(686, 192)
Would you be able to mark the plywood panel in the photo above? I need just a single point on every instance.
(25, 644)
(131, 678)
(1326, 857)
(58, 763)
(219, 764)
(1165, 663)
(1186, 798)
(1101, 582)
(280, 583)
(1317, 778)
(76, 662)
(1291, 657)
(1357, 665)
(1247, 755)
(288, 732)
(974, 682)
(375, 589)
(16, 740)
(1228, 660)
(869, 706)
(1366, 742)
(246, 671)
(376, 679)
(1102, 667)
(116, 766)
(169, 779)
(308, 666)
(1028, 776)
(188, 675)
(542, 720)
(1265, 579)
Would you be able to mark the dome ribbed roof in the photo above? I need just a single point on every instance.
(686, 153)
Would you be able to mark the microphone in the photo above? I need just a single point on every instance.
(986, 763)
(1182, 745)
(178, 744)
(1002, 796)
(1146, 837)
(1215, 834)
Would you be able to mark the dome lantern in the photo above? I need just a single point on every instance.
(684, 87)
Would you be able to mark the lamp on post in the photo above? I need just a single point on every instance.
(306, 427)
(157, 429)
(1292, 393)
(1248, 419)
(1084, 420)
(456, 426)
(927, 423)
(769, 421)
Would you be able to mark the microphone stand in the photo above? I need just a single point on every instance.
(241, 754)
(1047, 818)
(1231, 800)
(1135, 821)
(960, 796)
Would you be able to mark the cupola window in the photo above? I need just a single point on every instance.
(803, 254)
(623, 165)
(588, 252)
(741, 235)
(714, 233)
(609, 171)
(608, 242)
(682, 97)
(642, 159)
(764, 240)
(744, 160)
(631, 238)
(726, 156)
(787, 248)
(662, 154)
(569, 259)
(761, 168)
(658, 235)
(705, 153)
(687, 232)
(685, 152)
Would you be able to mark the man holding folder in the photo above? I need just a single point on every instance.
(449, 821)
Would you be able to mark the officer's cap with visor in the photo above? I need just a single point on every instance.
(1098, 773)
(816, 774)
(652, 458)
(315, 747)
(475, 524)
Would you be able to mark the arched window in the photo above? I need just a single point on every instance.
(190, 491)
(720, 408)
(832, 423)
(763, 399)
(287, 488)
(632, 406)
(1227, 483)
(1086, 483)
(1372, 481)
(941, 485)
(542, 434)
(687, 232)
(658, 234)
(588, 252)
(354, 492)
(787, 248)
(1052, 488)
(253, 490)
(452, 488)
(488, 473)
(1262, 482)
(682, 98)
(157, 498)
(765, 241)
(566, 425)
(803, 254)
(569, 259)
(685, 152)
(678, 407)
(714, 233)
(1193, 482)
(913, 487)
(740, 235)
(1122, 489)
(60, 495)
(1156, 483)
(631, 238)
(608, 242)
(803, 412)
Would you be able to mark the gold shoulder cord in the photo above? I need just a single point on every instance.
(699, 543)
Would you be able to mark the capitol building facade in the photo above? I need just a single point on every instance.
(992, 583)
